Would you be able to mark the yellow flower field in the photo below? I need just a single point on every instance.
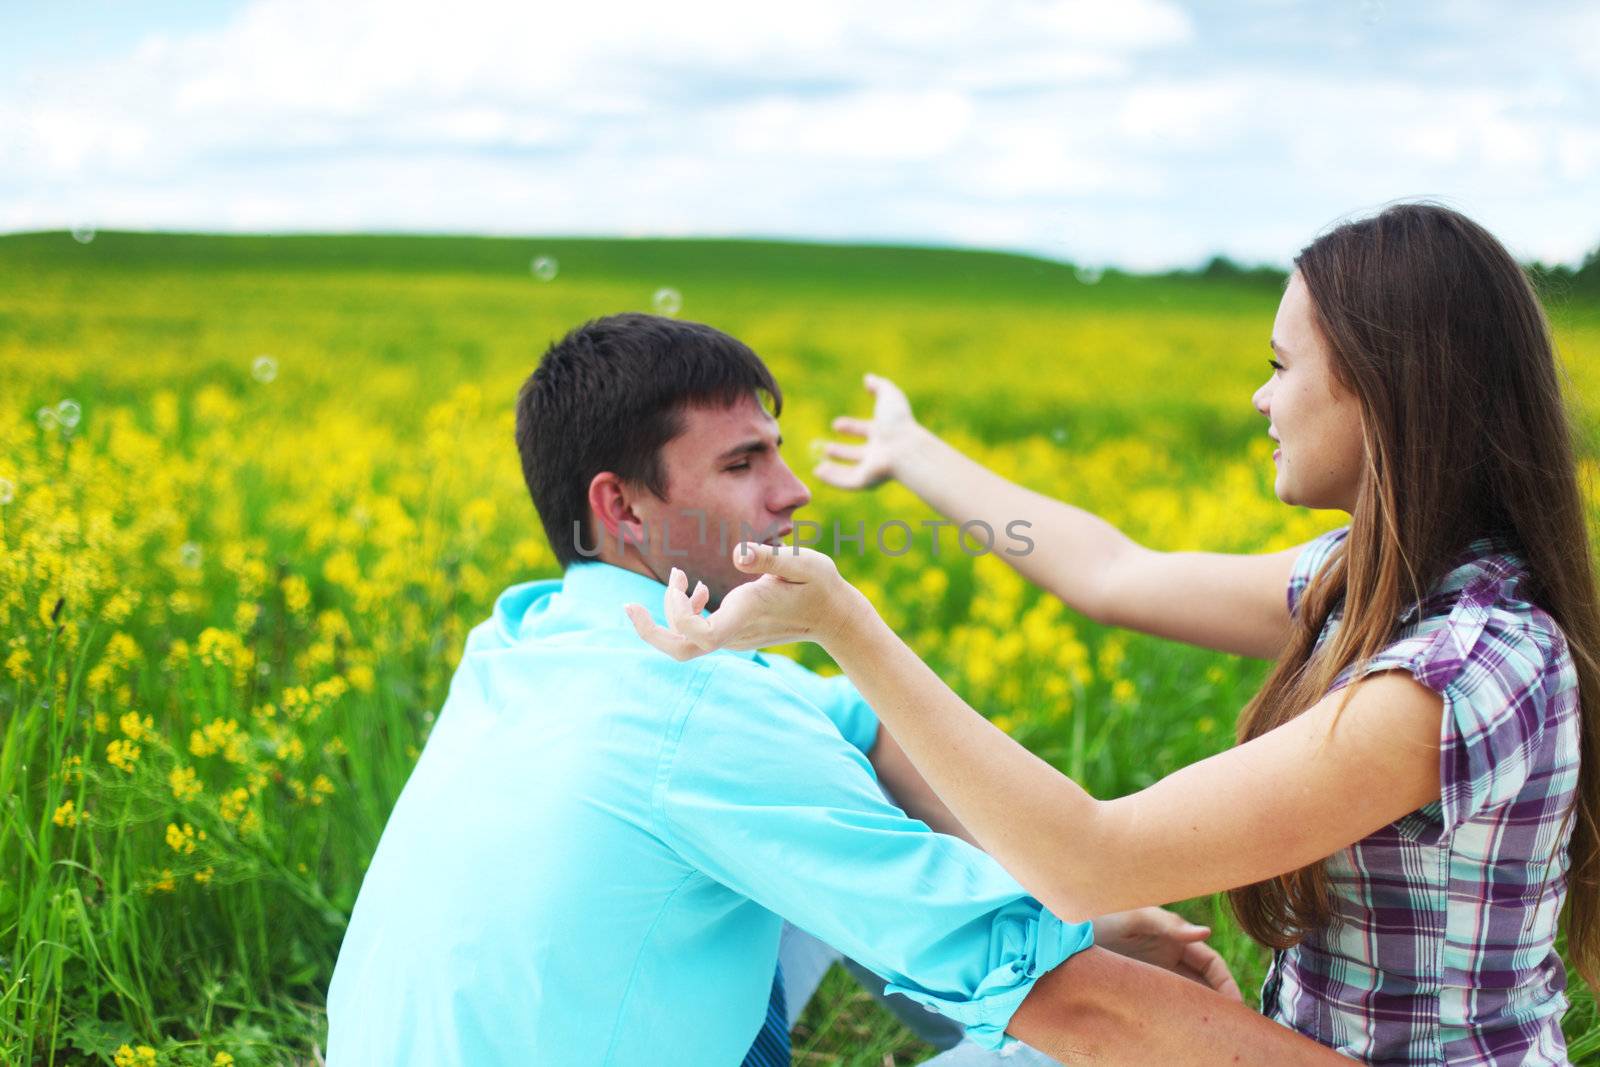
(254, 492)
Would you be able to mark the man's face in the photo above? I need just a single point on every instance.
(726, 482)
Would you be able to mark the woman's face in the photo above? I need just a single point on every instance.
(1316, 421)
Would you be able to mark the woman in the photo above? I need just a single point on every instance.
(1405, 812)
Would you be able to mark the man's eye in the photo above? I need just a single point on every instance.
(739, 467)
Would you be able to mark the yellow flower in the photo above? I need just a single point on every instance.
(165, 884)
(65, 815)
(1122, 691)
(220, 735)
(185, 785)
(1113, 652)
(244, 617)
(17, 663)
(296, 594)
(122, 754)
(131, 1057)
(215, 646)
(182, 840)
(341, 568)
(361, 677)
(135, 728)
(204, 877)
(119, 607)
(223, 1059)
(72, 769)
(233, 804)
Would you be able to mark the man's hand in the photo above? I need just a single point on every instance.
(1169, 941)
(891, 429)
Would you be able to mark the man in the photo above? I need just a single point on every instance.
(593, 859)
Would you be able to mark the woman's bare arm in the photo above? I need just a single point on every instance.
(1289, 798)
(1284, 800)
(1230, 602)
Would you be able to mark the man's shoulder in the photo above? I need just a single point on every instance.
(774, 685)
(817, 687)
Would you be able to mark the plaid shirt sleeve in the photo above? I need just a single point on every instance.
(1490, 667)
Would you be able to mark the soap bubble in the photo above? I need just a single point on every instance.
(1089, 275)
(69, 413)
(8, 492)
(48, 419)
(667, 301)
(1059, 435)
(545, 267)
(83, 233)
(191, 555)
(264, 369)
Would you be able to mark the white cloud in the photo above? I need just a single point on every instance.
(1134, 132)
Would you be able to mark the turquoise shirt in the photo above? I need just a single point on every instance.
(591, 862)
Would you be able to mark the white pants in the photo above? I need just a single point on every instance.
(805, 960)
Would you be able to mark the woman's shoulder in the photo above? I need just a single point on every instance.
(1481, 614)
(1507, 678)
(1486, 583)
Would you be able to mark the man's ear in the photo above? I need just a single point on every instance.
(611, 503)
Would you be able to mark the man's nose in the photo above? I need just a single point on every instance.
(791, 493)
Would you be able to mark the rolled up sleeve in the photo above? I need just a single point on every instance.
(759, 790)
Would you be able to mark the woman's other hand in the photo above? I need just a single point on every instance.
(1169, 941)
(891, 430)
(798, 596)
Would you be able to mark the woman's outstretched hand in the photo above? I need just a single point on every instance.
(891, 431)
(1169, 941)
(799, 596)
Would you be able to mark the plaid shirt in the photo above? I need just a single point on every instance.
(1442, 948)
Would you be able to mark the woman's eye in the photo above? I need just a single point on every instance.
(1274, 364)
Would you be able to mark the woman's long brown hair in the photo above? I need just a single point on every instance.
(1438, 332)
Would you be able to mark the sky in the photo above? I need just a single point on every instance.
(1143, 134)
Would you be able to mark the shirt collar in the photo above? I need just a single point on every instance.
(602, 586)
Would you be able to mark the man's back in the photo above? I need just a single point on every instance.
(585, 865)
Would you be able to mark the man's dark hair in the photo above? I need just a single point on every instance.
(607, 396)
